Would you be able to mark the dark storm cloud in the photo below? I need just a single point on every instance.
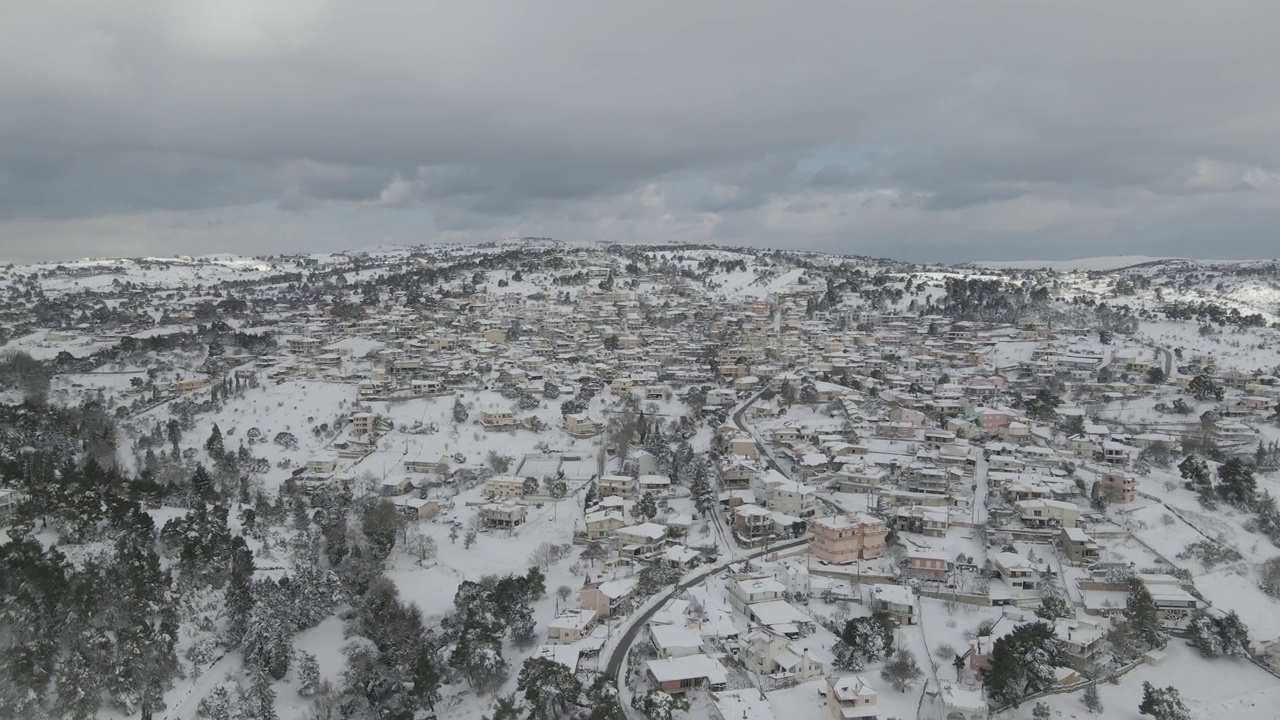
(977, 128)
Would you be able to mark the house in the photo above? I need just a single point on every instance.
(1047, 513)
(601, 524)
(503, 487)
(393, 485)
(322, 464)
(1085, 643)
(624, 486)
(851, 698)
(681, 557)
(1078, 547)
(674, 640)
(417, 508)
(774, 655)
(1271, 656)
(743, 446)
(931, 521)
(931, 564)
(680, 674)
(793, 499)
(1016, 571)
(1119, 486)
(608, 597)
(1175, 604)
(752, 522)
(843, 539)
(1114, 453)
(578, 425)
(657, 484)
(498, 420)
(363, 423)
(962, 703)
(570, 626)
(502, 515)
(897, 600)
(438, 467)
(747, 590)
(9, 501)
(748, 704)
(642, 541)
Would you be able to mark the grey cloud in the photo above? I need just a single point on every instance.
(987, 129)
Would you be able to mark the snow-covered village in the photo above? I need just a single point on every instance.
(550, 480)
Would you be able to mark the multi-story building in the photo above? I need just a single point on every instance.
(851, 698)
(570, 626)
(845, 538)
(504, 486)
(624, 486)
(1119, 486)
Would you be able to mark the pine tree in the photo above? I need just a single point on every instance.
(548, 686)
(658, 705)
(239, 593)
(260, 698)
(1023, 662)
(214, 443)
(1163, 704)
(426, 679)
(308, 674)
(1203, 635)
(1041, 711)
(1053, 606)
(1236, 484)
(901, 670)
(1143, 616)
(1091, 701)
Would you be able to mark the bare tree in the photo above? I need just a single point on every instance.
(545, 555)
(421, 545)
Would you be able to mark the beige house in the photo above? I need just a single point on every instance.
(1119, 486)
(578, 425)
(624, 486)
(608, 597)
(1077, 546)
(502, 515)
(570, 626)
(851, 698)
(498, 420)
(842, 539)
(601, 524)
(1047, 513)
(503, 487)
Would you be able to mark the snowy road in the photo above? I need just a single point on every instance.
(980, 491)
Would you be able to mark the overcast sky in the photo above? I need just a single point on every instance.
(927, 130)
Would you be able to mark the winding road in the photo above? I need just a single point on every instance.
(614, 667)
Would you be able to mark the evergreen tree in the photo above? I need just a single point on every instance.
(426, 679)
(308, 674)
(1143, 616)
(1163, 704)
(1236, 484)
(1203, 636)
(548, 686)
(658, 705)
(602, 700)
(214, 443)
(1091, 701)
(1052, 607)
(901, 670)
(261, 698)
(239, 593)
(1023, 662)
(1041, 711)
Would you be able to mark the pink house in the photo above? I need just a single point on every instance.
(993, 419)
